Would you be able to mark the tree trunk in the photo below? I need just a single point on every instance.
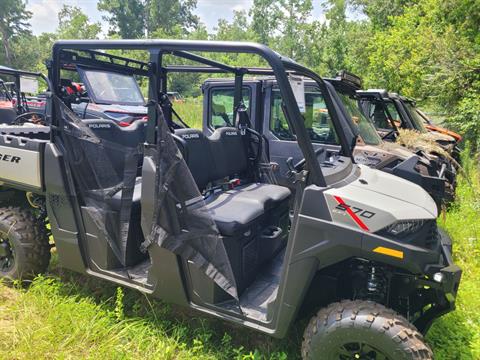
(6, 45)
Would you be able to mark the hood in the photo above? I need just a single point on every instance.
(398, 150)
(442, 137)
(378, 199)
(395, 187)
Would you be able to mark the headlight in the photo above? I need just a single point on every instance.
(404, 227)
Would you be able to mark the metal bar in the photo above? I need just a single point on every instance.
(100, 64)
(203, 60)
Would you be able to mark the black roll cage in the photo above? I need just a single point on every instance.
(17, 74)
(157, 72)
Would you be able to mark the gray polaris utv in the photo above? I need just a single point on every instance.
(370, 149)
(199, 221)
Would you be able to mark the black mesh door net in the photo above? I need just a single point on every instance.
(181, 222)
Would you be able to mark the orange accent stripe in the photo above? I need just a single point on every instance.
(389, 252)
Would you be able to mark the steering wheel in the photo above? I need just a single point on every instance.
(299, 165)
(32, 117)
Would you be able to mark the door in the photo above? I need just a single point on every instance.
(218, 104)
(282, 140)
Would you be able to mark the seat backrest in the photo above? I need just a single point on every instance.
(229, 152)
(379, 117)
(198, 155)
(128, 137)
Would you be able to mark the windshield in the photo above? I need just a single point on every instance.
(316, 118)
(112, 88)
(366, 129)
(416, 119)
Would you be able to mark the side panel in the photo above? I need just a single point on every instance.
(21, 161)
(60, 212)
(165, 273)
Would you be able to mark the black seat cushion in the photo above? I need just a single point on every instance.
(268, 195)
(7, 115)
(231, 214)
(235, 211)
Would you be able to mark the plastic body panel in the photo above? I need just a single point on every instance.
(60, 212)
(165, 274)
(21, 162)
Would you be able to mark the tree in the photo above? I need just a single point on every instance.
(380, 11)
(74, 24)
(237, 30)
(13, 23)
(168, 14)
(126, 17)
(139, 18)
(265, 16)
(294, 26)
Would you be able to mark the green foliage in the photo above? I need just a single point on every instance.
(14, 22)
(126, 17)
(266, 16)
(74, 24)
(139, 18)
(380, 12)
(431, 52)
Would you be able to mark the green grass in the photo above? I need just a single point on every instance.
(69, 316)
(191, 111)
(457, 334)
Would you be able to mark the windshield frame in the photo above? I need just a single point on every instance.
(362, 120)
(417, 122)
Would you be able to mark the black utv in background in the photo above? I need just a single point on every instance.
(201, 221)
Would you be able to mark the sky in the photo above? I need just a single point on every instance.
(210, 11)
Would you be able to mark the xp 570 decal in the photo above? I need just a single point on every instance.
(354, 212)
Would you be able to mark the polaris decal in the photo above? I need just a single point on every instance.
(191, 136)
(99, 126)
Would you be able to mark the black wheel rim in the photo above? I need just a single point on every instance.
(7, 254)
(360, 351)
